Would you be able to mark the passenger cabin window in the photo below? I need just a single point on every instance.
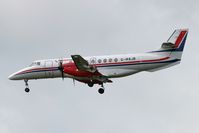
(133, 58)
(110, 60)
(128, 59)
(99, 61)
(116, 60)
(93, 61)
(105, 60)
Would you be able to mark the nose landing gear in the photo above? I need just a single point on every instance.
(27, 87)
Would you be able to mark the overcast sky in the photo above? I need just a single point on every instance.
(166, 101)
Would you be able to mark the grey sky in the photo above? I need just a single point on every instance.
(166, 101)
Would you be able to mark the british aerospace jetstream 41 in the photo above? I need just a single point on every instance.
(101, 69)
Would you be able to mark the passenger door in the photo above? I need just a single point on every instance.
(49, 69)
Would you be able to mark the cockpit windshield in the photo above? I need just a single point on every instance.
(35, 63)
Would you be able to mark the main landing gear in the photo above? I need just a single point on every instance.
(27, 87)
(90, 84)
(101, 90)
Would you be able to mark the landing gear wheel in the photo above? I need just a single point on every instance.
(101, 90)
(27, 90)
(90, 84)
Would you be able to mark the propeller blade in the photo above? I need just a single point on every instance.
(61, 68)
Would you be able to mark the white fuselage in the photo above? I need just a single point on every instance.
(112, 66)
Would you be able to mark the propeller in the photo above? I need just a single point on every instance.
(61, 68)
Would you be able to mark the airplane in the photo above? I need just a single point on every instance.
(101, 69)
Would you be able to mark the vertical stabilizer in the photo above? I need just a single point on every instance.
(175, 44)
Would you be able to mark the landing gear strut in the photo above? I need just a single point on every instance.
(27, 87)
(101, 90)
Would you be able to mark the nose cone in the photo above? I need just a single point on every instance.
(13, 77)
(19, 75)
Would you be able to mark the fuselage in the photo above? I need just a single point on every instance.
(111, 66)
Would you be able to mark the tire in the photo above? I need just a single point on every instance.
(27, 90)
(90, 84)
(101, 91)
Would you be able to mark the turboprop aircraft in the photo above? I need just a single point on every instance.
(101, 69)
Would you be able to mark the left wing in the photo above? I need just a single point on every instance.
(82, 64)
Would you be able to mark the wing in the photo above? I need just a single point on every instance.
(82, 64)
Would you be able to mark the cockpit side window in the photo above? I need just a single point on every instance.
(38, 63)
(35, 64)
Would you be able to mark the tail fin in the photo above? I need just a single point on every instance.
(173, 48)
(177, 39)
(175, 44)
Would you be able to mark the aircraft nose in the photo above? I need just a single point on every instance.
(17, 75)
(21, 74)
(12, 77)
